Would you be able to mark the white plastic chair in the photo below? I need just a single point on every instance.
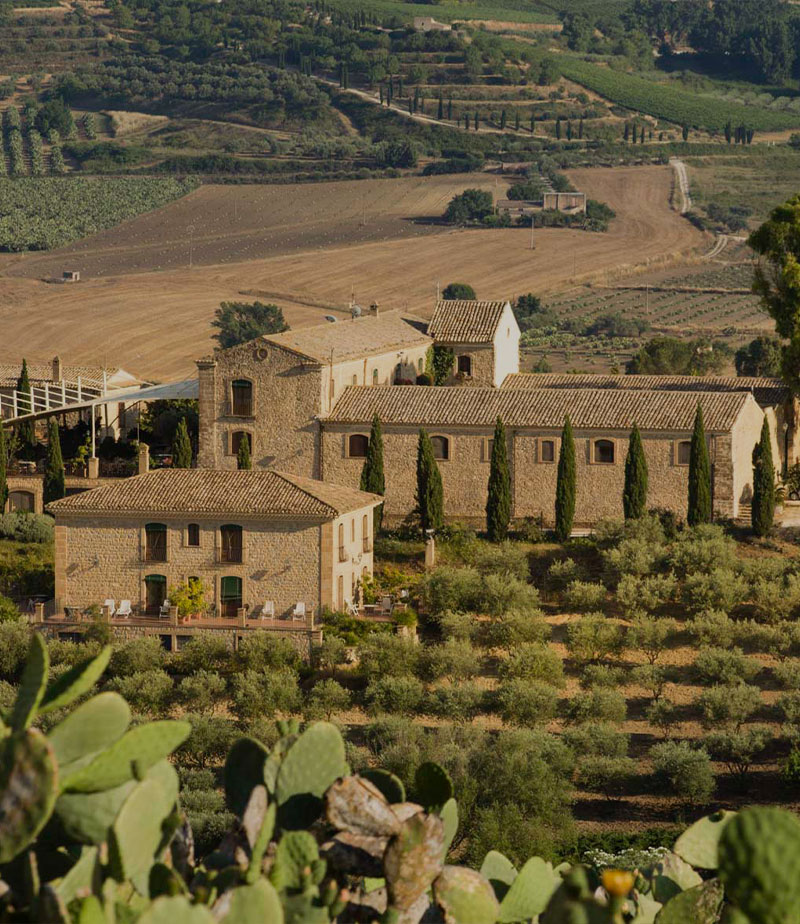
(112, 606)
(352, 609)
(268, 610)
(164, 611)
(125, 608)
(299, 611)
(386, 606)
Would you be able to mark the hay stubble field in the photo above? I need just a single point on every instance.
(307, 248)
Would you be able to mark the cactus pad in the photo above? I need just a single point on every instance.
(28, 789)
(700, 905)
(32, 685)
(449, 815)
(698, 844)
(297, 851)
(144, 746)
(244, 770)
(759, 864)
(175, 909)
(500, 872)
(390, 785)
(91, 727)
(311, 765)
(530, 891)
(464, 896)
(251, 904)
(136, 834)
(75, 682)
(413, 859)
(433, 786)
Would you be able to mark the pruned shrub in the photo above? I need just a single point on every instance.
(603, 676)
(202, 692)
(455, 625)
(776, 638)
(663, 715)
(632, 556)
(594, 637)
(584, 596)
(651, 636)
(457, 702)
(205, 650)
(788, 674)
(512, 629)
(683, 771)
(145, 653)
(502, 594)
(256, 693)
(509, 559)
(455, 659)
(525, 702)
(598, 739)
(703, 549)
(717, 589)
(562, 573)
(209, 742)
(21, 526)
(775, 599)
(196, 780)
(202, 801)
(451, 589)
(652, 677)
(325, 699)
(725, 665)
(605, 775)
(392, 655)
(394, 694)
(729, 706)
(645, 593)
(738, 749)
(534, 662)
(713, 627)
(149, 692)
(597, 705)
(261, 650)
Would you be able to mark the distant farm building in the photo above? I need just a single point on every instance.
(517, 208)
(70, 276)
(570, 202)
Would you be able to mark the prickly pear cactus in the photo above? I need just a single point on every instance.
(759, 864)
(413, 859)
(699, 843)
(28, 789)
(311, 765)
(465, 897)
(433, 786)
(529, 892)
(244, 770)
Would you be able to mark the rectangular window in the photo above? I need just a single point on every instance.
(242, 398)
(193, 534)
(547, 450)
(683, 452)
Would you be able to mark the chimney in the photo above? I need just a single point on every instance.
(57, 369)
(374, 309)
(144, 458)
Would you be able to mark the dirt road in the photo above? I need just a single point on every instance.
(157, 323)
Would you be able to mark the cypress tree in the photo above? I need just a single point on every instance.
(440, 111)
(54, 472)
(26, 430)
(3, 470)
(533, 123)
(498, 502)
(182, 446)
(558, 129)
(763, 510)
(566, 484)
(634, 497)
(243, 462)
(430, 501)
(372, 477)
(699, 475)
(450, 109)
(516, 121)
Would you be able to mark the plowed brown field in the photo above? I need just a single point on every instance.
(306, 248)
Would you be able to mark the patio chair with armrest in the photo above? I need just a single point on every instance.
(125, 609)
(268, 609)
(387, 605)
(299, 611)
(112, 606)
(352, 608)
(163, 611)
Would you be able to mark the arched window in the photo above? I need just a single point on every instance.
(374, 376)
(193, 534)
(420, 365)
(441, 447)
(342, 548)
(21, 500)
(155, 589)
(357, 446)
(366, 545)
(465, 365)
(155, 542)
(230, 542)
(604, 452)
(353, 529)
(355, 380)
(236, 441)
(230, 595)
(242, 398)
(683, 452)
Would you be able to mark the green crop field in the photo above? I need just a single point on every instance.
(48, 212)
(669, 103)
(450, 12)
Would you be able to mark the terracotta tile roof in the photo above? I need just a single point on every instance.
(465, 321)
(767, 391)
(204, 491)
(354, 338)
(603, 409)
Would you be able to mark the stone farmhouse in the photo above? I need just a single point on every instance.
(260, 541)
(306, 399)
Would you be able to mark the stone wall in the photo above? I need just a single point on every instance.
(599, 485)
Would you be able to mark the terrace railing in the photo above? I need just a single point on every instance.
(51, 396)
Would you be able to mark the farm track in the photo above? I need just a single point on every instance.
(309, 240)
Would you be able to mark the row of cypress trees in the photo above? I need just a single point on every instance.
(430, 504)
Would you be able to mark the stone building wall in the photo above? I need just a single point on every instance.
(599, 485)
(482, 358)
(373, 370)
(286, 399)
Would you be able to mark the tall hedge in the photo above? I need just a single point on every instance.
(54, 471)
(430, 499)
(699, 475)
(372, 476)
(763, 510)
(566, 484)
(498, 502)
(634, 495)
(26, 431)
(182, 446)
